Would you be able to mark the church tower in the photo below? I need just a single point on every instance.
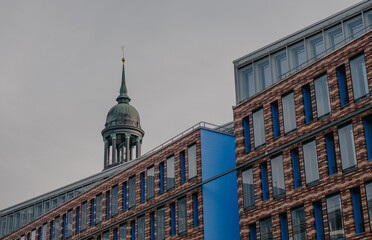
(122, 133)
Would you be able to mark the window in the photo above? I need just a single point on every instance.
(182, 164)
(170, 173)
(246, 83)
(105, 236)
(335, 222)
(284, 226)
(289, 113)
(275, 116)
(92, 212)
(368, 19)
(98, 208)
(44, 232)
(347, 146)
(39, 233)
(51, 231)
(161, 177)
(299, 223)
(296, 168)
(252, 232)
(173, 219)
(141, 227)
(46, 206)
(367, 122)
(152, 226)
(56, 228)
(69, 224)
(277, 176)
(150, 182)
(307, 103)
(315, 47)
(160, 222)
(323, 106)
(311, 162)
(297, 56)
(107, 204)
(182, 215)
(248, 188)
(265, 229)
(192, 162)
(124, 196)
(318, 215)
(115, 234)
(334, 37)
(195, 206)
(132, 192)
(123, 231)
(263, 74)
(33, 235)
(247, 134)
(115, 200)
(358, 211)
(142, 175)
(258, 128)
(369, 201)
(264, 180)
(280, 65)
(342, 85)
(331, 156)
(133, 229)
(359, 76)
(354, 27)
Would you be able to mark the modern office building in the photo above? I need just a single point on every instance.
(302, 121)
(295, 163)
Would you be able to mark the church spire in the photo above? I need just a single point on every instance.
(123, 96)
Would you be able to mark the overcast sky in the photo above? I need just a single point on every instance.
(60, 72)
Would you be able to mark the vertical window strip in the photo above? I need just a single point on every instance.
(142, 186)
(266, 229)
(259, 128)
(252, 232)
(342, 85)
(51, 231)
(195, 205)
(170, 173)
(150, 182)
(92, 212)
(39, 233)
(133, 230)
(311, 162)
(56, 228)
(277, 172)
(335, 218)
(359, 77)
(69, 224)
(182, 215)
(248, 188)
(323, 105)
(369, 201)
(173, 219)
(318, 215)
(124, 196)
(114, 200)
(123, 232)
(347, 146)
(141, 227)
(64, 227)
(299, 223)
(107, 204)
(98, 208)
(367, 122)
(247, 134)
(161, 173)
(289, 113)
(275, 117)
(284, 226)
(152, 226)
(358, 211)
(192, 161)
(132, 192)
(115, 234)
(160, 222)
(331, 156)
(77, 219)
(182, 163)
(83, 216)
(265, 183)
(296, 168)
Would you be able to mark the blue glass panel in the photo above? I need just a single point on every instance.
(253, 232)
(284, 226)
(368, 134)
(275, 116)
(107, 205)
(357, 208)
(332, 169)
(183, 174)
(265, 184)
(124, 196)
(307, 103)
(115, 234)
(195, 209)
(39, 233)
(64, 227)
(341, 76)
(173, 219)
(51, 230)
(318, 221)
(133, 230)
(161, 168)
(152, 226)
(142, 187)
(77, 219)
(92, 212)
(296, 168)
(247, 135)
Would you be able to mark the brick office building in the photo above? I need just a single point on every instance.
(303, 132)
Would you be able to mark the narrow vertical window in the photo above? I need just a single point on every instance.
(335, 221)
(125, 196)
(358, 211)
(315, 47)
(107, 204)
(69, 224)
(152, 226)
(342, 85)
(195, 206)
(150, 182)
(39, 234)
(263, 74)
(98, 208)
(115, 200)
(192, 161)
(33, 235)
(182, 216)
(289, 113)
(142, 176)
(92, 212)
(311, 162)
(369, 201)
(51, 230)
(318, 215)
(141, 227)
(123, 232)
(334, 37)
(252, 232)
(248, 188)
(275, 117)
(133, 229)
(182, 164)
(297, 56)
(173, 219)
(247, 134)
(265, 229)
(359, 77)
(279, 65)
(284, 226)
(246, 85)
(64, 227)
(44, 231)
(259, 128)
(296, 168)
(160, 222)
(161, 177)
(116, 234)
(132, 192)
(299, 223)
(83, 216)
(264, 180)
(277, 172)
(307, 103)
(170, 173)
(347, 147)
(323, 105)
(77, 220)
(367, 122)
(105, 236)
(331, 156)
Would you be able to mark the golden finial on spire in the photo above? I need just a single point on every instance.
(122, 49)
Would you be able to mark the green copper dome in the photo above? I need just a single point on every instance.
(123, 114)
